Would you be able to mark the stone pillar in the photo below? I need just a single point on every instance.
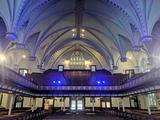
(11, 36)
(118, 104)
(10, 104)
(123, 107)
(64, 105)
(1, 98)
(32, 58)
(43, 103)
(33, 104)
(105, 104)
(111, 102)
(76, 103)
(148, 105)
(146, 38)
(62, 102)
(92, 104)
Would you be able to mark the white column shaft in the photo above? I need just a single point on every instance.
(62, 102)
(64, 107)
(123, 104)
(118, 104)
(148, 106)
(33, 104)
(92, 104)
(10, 105)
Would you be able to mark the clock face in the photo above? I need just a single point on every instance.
(19, 98)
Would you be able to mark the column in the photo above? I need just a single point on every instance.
(76, 103)
(118, 104)
(33, 104)
(64, 107)
(43, 103)
(10, 104)
(111, 102)
(148, 105)
(92, 104)
(1, 98)
(105, 104)
(53, 104)
(123, 105)
(62, 102)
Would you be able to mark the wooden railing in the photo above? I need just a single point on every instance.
(13, 81)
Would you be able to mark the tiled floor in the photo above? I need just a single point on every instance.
(82, 117)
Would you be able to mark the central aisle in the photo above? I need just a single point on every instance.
(89, 116)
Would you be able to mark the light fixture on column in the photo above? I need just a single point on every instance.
(82, 35)
(73, 35)
(88, 63)
(2, 58)
(73, 30)
(24, 56)
(83, 30)
(66, 63)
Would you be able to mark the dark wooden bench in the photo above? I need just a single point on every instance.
(131, 115)
(37, 115)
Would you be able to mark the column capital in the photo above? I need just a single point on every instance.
(146, 38)
(137, 68)
(11, 36)
(39, 67)
(137, 47)
(10, 92)
(115, 67)
(123, 59)
(150, 60)
(32, 58)
(20, 46)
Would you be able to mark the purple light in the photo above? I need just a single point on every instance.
(54, 81)
(103, 82)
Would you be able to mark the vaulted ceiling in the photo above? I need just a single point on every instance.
(51, 28)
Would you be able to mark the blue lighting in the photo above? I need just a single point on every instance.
(101, 82)
(59, 82)
(98, 82)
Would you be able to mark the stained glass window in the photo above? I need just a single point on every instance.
(77, 60)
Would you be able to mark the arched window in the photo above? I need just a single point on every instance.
(152, 99)
(77, 60)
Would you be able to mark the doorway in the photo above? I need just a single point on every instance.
(77, 104)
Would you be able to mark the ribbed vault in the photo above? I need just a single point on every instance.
(50, 29)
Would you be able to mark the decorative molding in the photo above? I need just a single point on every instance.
(11, 76)
(11, 36)
(115, 67)
(146, 38)
(123, 59)
(137, 48)
(20, 46)
(136, 67)
(150, 60)
(32, 58)
(39, 66)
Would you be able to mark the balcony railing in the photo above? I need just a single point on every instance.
(13, 81)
